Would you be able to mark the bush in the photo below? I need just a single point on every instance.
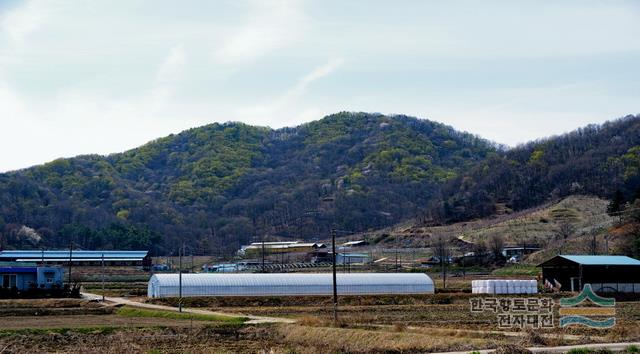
(580, 351)
(512, 349)
(441, 299)
(603, 351)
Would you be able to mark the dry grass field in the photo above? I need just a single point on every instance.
(408, 324)
(367, 324)
(587, 216)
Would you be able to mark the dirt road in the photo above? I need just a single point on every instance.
(128, 302)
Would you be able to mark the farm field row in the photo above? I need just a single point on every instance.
(366, 324)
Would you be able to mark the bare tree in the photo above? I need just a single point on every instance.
(441, 248)
(497, 245)
(593, 246)
(480, 247)
(565, 230)
(479, 250)
(631, 241)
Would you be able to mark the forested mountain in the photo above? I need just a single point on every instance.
(598, 160)
(222, 185)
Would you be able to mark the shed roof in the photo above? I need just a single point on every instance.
(354, 243)
(18, 264)
(364, 255)
(597, 260)
(27, 269)
(77, 255)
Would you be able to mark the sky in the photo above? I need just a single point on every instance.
(104, 76)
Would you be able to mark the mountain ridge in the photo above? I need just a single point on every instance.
(224, 184)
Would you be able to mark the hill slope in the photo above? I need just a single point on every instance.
(222, 185)
(573, 225)
(597, 160)
(218, 186)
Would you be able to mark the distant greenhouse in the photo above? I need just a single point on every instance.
(167, 285)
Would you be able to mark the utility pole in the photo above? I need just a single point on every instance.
(263, 254)
(180, 252)
(333, 264)
(464, 266)
(396, 247)
(335, 285)
(70, 261)
(344, 261)
(444, 272)
(102, 276)
(443, 260)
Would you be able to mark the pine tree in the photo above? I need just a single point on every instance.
(616, 205)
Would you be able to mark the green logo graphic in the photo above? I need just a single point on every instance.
(571, 314)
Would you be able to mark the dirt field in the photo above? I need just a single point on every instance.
(84, 321)
(367, 324)
(416, 323)
(201, 339)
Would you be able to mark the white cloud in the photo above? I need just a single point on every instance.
(76, 121)
(517, 115)
(171, 71)
(285, 109)
(19, 23)
(270, 25)
(301, 86)
(173, 67)
(489, 30)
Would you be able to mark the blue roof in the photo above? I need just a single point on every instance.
(18, 269)
(603, 260)
(35, 255)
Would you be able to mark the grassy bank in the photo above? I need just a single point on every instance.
(134, 312)
(517, 270)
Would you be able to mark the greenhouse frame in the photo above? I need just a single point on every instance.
(289, 284)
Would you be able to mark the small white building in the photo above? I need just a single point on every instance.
(500, 286)
(352, 258)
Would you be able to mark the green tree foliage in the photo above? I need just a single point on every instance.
(616, 205)
(597, 159)
(222, 185)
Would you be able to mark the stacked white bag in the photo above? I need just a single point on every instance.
(499, 286)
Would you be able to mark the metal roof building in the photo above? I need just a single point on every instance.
(284, 284)
(604, 273)
(78, 257)
(279, 247)
(28, 276)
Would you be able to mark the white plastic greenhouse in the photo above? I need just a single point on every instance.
(504, 286)
(167, 285)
